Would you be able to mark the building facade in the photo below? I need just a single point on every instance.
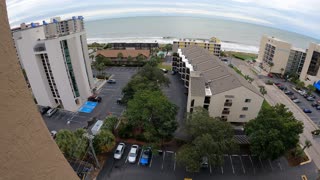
(146, 46)
(213, 45)
(125, 56)
(295, 61)
(56, 61)
(310, 73)
(216, 87)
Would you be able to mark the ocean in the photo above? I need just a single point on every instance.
(235, 36)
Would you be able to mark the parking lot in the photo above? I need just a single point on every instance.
(236, 166)
(108, 106)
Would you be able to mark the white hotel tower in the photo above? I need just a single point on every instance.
(56, 61)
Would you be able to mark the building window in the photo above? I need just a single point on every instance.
(242, 116)
(207, 100)
(191, 110)
(245, 109)
(192, 102)
(206, 107)
(247, 100)
(224, 118)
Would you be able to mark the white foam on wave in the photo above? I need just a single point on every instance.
(226, 46)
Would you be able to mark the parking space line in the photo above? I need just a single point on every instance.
(140, 158)
(164, 155)
(279, 164)
(254, 169)
(231, 164)
(126, 159)
(244, 171)
(210, 169)
(175, 160)
(270, 165)
(151, 160)
(261, 163)
(221, 169)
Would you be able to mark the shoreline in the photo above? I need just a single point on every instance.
(225, 45)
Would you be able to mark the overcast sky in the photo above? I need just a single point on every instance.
(301, 16)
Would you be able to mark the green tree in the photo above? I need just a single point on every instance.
(129, 59)
(104, 141)
(107, 46)
(168, 47)
(140, 59)
(311, 89)
(152, 109)
(98, 66)
(91, 56)
(211, 138)
(73, 145)
(271, 64)
(120, 56)
(300, 84)
(307, 144)
(263, 90)
(274, 132)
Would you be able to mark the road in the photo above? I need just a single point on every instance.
(275, 96)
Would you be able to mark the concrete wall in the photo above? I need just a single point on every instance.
(27, 149)
(303, 76)
(238, 102)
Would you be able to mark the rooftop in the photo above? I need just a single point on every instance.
(214, 73)
(113, 53)
(211, 40)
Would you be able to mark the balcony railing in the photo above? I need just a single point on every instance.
(225, 112)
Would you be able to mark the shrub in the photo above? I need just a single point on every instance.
(125, 131)
(110, 123)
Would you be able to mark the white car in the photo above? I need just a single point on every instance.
(302, 92)
(296, 101)
(133, 153)
(119, 151)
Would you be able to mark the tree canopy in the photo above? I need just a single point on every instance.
(211, 138)
(273, 132)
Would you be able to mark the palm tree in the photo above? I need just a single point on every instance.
(271, 64)
(263, 91)
(300, 84)
(307, 144)
(311, 89)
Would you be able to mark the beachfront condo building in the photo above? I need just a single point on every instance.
(310, 73)
(279, 57)
(55, 58)
(213, 45)
(215, 86)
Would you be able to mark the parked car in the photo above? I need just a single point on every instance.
(278, 84)
(305, 95)
(119, 151)
(53, 134)
(316, 132)
(293, 97)
(270, 75)
(51, 111)
(111, 81)
(318, 107)
(282, 88)
(94, 98)
(173, 72)
(301, 92)
(310, 98)
(305, 110)
(296, 100)
(133, 153)
(164, 70)
(287, 92)
(119, 100)
(315, 104)
(204, 162)
(146, 156)
(44, 110)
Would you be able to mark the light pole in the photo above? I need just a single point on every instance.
(90, 138)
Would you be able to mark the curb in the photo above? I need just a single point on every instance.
(307, 154)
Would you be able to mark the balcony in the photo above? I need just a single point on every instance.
(228, 104)
(225, 112)
(39, 47)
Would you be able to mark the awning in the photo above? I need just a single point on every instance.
(317, 85)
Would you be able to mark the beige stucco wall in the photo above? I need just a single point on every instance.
(27, 150)
(281, 54)
(303, 76)
(238, 102)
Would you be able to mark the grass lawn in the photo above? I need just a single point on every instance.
(265, 105)
(241, 55)
(165, 66)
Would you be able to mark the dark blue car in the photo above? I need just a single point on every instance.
(307, 110)
(146, 156)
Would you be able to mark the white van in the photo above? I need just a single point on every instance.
(50, 112)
